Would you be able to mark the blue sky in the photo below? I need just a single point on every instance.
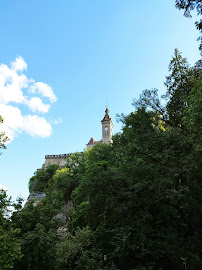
(66, 59)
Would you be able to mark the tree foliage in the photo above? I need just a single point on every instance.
(39, 182)
(3, 137)
(10, 249)
(132, 205)
(188, 6)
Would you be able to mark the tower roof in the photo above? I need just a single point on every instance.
(92, 141)
(106, 117)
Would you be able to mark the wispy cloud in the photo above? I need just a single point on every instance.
(36, 105)
(59, 121)
(44, 90)
(16, 90)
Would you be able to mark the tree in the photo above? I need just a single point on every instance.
(193, 113)
(10, 250)
(3, 137)
(80, 252)
(188, 6)
(134, 204)
(39, 182)
(179, 84)
(142, 195)
(38, 223)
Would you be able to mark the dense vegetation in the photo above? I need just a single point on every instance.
(9, 242)
(135, 204)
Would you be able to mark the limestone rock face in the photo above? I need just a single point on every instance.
(63, 218)
(36, 196)
(62, 231)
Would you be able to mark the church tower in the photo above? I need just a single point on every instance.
(107, 128)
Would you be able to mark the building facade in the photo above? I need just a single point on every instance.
(107, 133)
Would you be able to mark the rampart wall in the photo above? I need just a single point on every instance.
(61, 160)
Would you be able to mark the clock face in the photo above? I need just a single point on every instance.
(106, 128)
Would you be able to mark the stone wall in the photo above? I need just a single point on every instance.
(61, 160)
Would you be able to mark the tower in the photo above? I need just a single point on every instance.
(107, 128)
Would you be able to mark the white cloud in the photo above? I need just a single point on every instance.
(13, 85)
(36, 104)
(19, 64)
(44, 90)
(14, 123)
(36, 126)
(3, 187)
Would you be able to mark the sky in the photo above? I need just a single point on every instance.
(62, 62)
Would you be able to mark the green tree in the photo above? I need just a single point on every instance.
(3, 137)
(39, 182)
(79, 252)
(10, 250)
(193, 113)
(136, 203)
(179, 84)
(38, 223)
(188, 6)
(142, 195)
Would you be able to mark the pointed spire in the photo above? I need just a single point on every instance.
(107, 111)
(106, 117)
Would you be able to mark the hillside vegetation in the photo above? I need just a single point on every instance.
(133, 205)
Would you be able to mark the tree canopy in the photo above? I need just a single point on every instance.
(134, 204)
(188, 6)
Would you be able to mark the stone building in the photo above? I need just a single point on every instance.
(107, 133)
